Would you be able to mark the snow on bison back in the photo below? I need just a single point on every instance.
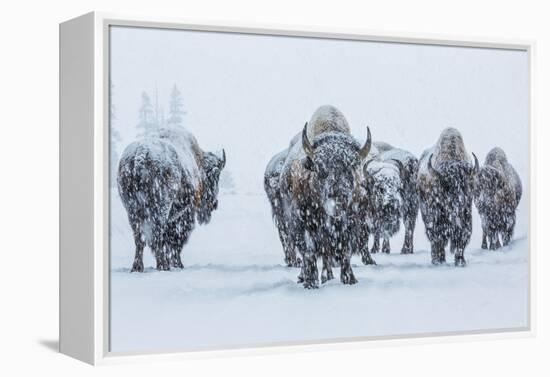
(164, 183)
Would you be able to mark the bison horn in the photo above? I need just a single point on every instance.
(364, 151)
(476, 164)
(222, 163)
(306, 144)
(431, 168)
(366, 167)
(400, 166)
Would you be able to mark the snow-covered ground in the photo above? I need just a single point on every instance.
(235, 290)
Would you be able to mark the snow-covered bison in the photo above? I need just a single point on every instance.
(408, 171)
(318, 181)
(381, 207)
(271, 186)
(445, 185)
(497, 195)
(165, 182)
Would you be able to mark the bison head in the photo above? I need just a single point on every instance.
(213, 165)
(334, 159)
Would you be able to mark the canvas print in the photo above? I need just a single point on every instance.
(281, 190)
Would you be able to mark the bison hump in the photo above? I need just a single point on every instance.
(327, 118)
(189, 153)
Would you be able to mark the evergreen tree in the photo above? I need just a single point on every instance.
(147, 125)
(115, 139)
(159, 112)
(176, 111)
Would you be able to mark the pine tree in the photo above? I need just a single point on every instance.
(158, 112)
(176, 112)
(147, 125)
(115, 140)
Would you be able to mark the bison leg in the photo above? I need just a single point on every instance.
(494, 242)
(175, 261)
(376, 245)
(163, 264)
(484, 239)
(459, 258)
(310, 272)
(291, 259)
(366, 258)
(326, 273)
(386, 245)
(346, 273)
(408, 245)
(309, 275)
(137, 266)
(508, 231)
(438, 252)
(159, 250)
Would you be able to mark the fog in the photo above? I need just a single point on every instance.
(250, 94)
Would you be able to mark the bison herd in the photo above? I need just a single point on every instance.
(329, 195)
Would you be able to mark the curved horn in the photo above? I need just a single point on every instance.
(366, 167)
(431, 168)
(222, 163)
(401, 167)
(476, 164)
(306, 144)
(364, 151)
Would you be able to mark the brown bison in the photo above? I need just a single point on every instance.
(164, 183)
(318, 181)
(445, 185)
(497, 195)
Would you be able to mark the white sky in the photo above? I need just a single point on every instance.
(250, 94)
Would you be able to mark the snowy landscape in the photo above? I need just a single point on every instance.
(250, 94)
(235, 289)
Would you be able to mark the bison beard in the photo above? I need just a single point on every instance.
(159, 191)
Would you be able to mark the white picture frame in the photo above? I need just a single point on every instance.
(84, 196)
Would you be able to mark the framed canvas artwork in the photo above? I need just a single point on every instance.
(226, 188)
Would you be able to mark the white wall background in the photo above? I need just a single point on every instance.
(29, 189)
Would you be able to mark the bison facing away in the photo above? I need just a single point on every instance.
(271, 186)
(445, 186)
(164, 183)
(317, 182)
(497, 195)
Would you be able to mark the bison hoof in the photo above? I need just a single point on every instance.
(137, 266)
(367, 261)
(438, 261)
(407, 250)
(460, 261)
(326, 277)
(177, 265)
(311, 284)
(163, 267)
(348, 279)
